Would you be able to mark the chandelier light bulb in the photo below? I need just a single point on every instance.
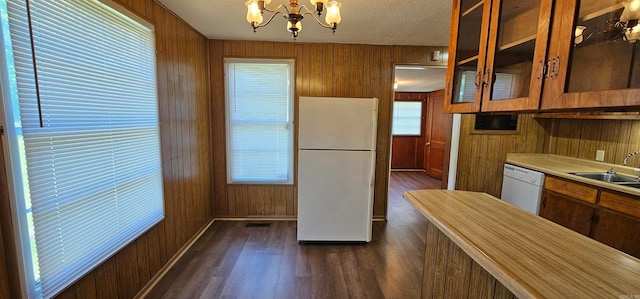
(254, 15)
(333, 13)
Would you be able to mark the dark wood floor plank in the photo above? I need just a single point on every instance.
(232, 260)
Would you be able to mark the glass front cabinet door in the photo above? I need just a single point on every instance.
(594, 55)
(498, 60)
(467, 51)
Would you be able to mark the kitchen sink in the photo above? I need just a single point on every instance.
(608, 177)
(627, 184)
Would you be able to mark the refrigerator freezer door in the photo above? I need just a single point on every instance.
(335, 195)
(338, 123)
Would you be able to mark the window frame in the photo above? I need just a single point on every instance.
(291, 123)
(420, 122)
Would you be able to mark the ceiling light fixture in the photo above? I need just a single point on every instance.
(294, 14)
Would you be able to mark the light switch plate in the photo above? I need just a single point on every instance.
(600, 155)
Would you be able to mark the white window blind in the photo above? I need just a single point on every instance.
(504, 86)
(259, 121)
(407, 118)
(93, 179)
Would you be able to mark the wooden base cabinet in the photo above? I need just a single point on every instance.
(608, 217)
(617, 230)
(571, 213)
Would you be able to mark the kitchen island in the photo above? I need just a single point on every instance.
(480, 247)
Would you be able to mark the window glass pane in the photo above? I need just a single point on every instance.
(407, 117)
(259, 115)
(87, 130)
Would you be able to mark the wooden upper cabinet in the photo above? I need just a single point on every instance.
(497, 55)
(467, 53)
(515, 55)
(592, 64)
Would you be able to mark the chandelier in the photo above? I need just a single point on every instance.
(294, 14)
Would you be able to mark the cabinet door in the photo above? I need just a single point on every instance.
(593, 57)
(515, 56)
(467, 44)
(566, 211)
(618, 230)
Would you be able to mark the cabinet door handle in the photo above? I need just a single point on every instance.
(543, 69)
(544, 201)
(478, 78)
(554, 67)
(487, 75)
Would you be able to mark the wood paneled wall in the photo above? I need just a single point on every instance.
(183, 93)
(450, 273)
(481, 156)
(580, 138)
(331, 70)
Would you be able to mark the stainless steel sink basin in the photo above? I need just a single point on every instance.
(627, 184)
(607, 177)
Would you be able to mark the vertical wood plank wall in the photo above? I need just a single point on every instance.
(450, 273)
(481, 156)
(331, 70)
(183, 93)
(580, 138)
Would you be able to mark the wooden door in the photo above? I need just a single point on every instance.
(618, 230)
(407, 149)
(566, 211)
(435, 139)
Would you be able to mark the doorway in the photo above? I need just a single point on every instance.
(419, 125)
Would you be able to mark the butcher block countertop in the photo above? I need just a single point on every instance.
(531, 256)
(562, 166)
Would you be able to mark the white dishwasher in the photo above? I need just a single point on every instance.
(522, 187)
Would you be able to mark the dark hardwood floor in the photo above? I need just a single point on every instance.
(233, 260)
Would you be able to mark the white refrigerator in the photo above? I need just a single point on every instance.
(336, 168)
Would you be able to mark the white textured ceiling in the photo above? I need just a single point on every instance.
(420, 79)
(378, 22)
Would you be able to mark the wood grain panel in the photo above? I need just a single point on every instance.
(567, 211)
(578, 191)
(407, 152)
(332, 70)
(450, 273)
(186, 135)
(481, 156)
(618, 230)
(581, 138)
(521, 250)
(620, 203)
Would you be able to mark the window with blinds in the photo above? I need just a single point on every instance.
(259, 117)
(80, 101)
(407, 118)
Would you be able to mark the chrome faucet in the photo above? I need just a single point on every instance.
(629, 156)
